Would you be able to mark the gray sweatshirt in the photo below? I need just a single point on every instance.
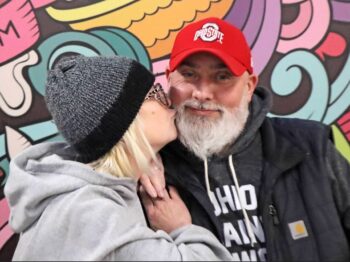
(64, 210)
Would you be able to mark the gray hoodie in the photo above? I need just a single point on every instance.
(64, 210)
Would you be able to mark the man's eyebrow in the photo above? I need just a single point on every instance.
(220, 66)
(189, 64)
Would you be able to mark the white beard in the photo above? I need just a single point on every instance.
(205, 136)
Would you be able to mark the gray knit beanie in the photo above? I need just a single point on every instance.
(93, 100)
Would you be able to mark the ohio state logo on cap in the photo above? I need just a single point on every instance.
(209, 33)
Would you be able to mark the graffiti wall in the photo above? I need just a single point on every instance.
(300, 50)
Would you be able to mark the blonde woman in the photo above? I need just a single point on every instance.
(77, 200)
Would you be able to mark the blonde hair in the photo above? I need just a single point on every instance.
(132, 146)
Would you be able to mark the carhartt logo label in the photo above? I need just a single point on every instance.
(298, 229)
(210, 32)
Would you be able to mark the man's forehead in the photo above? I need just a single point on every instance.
(203, 60)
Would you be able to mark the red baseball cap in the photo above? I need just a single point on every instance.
(217, 37)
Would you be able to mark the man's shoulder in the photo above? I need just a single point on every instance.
(298, 125)
(300, 131)
(296, 122)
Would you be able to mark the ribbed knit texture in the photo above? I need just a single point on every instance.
(93, 100)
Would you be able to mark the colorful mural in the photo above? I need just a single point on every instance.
(300, 50)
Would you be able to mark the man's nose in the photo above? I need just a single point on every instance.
(202, 92)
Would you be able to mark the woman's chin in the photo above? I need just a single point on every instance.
(174, 136)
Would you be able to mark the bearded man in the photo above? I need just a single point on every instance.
(269, 188)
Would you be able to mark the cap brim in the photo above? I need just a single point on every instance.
(236, 67)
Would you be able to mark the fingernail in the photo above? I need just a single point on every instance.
(153, 193)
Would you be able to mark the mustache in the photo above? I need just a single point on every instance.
(201, 105)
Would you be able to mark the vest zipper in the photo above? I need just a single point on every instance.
(273, 213)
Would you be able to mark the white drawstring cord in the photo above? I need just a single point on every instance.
(206, 177)
(233, 173)
(246, 219)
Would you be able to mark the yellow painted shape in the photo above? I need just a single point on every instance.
(156, 22)
(163, 47)
(164, 21)
(341, 143)
(85, 12)
(124, 17)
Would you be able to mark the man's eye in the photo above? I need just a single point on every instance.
(223, 77)
(187, 74)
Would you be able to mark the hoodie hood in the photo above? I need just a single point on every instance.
(44, 172)
(258, 109)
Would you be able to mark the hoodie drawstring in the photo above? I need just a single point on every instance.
(234, 176)
(206, 176)
(246, 218)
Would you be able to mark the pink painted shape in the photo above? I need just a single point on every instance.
(292, 1)
(334, 45)
(320, 17)
(159, 68)
(344, 118)
(5, 234)
(18, 29)
(346, 127)
(300, 24)
(40, 3)
(5, 212)
(161, 79)
(344, 124)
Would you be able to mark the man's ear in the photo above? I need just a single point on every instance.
(252, 83)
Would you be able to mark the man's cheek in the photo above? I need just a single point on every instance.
(178, 94)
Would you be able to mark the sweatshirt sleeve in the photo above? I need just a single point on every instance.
(189, 243)
(339, 171)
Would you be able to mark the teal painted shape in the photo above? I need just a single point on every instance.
(340, 95)
(44, 131)
(286, 78)
(137, 46)
(104, 41)
(116, 42)
(39, 131)
(59, 44)
(2, 146)
(4, 164)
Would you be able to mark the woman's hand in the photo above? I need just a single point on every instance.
(154, 183)
(167, 213)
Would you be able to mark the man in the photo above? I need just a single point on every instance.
(270, 189)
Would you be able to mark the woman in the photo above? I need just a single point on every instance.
(78, 200)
